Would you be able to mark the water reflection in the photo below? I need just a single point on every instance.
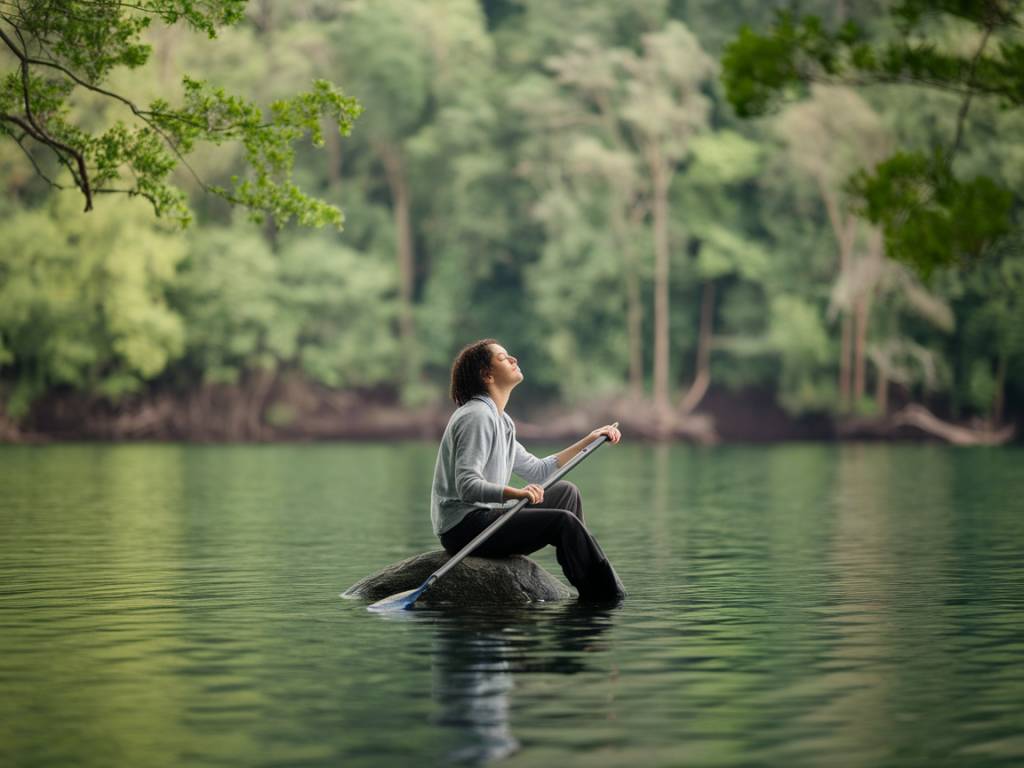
(472, 679)
(800, 605)
(477, 656)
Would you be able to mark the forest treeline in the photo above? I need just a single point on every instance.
(568, 177)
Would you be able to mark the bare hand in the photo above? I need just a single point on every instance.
(532, 492)
(609, 429)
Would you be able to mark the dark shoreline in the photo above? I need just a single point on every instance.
(291, 412)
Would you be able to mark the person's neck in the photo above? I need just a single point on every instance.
(500, 397)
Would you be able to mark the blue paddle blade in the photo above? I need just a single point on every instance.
(403, 601)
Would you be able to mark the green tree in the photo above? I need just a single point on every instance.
(930, 214)
(83, 301)
(315, 306)
(641, 110)
(727, 258)
(665, 108)
(827, 137)
(988, 354)
(461, 172)
(593, 203)
(903, 347)
(422, 71)
(60, 58)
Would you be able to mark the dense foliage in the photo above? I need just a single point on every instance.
(58, 54)
(568, 177)
(973, 49)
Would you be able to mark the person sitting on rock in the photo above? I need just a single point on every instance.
(478, 454)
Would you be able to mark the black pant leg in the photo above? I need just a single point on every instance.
(564, 495)
(583, 562)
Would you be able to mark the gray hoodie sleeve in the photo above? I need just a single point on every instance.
(473, 438)
(532, 469)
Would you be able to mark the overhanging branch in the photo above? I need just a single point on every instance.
(20, 141)
(35, 129)
(961, 117)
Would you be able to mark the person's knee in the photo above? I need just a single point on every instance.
(572, 500)
(568, 521)
(563, 488)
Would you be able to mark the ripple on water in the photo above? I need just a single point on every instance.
(804, 605)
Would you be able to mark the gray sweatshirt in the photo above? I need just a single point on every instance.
(478, 454)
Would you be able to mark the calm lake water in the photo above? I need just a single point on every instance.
(166, 605)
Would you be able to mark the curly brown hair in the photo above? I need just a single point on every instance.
(468, 370)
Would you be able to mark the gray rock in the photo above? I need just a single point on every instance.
(512, 580)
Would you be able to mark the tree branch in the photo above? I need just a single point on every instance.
(962, 115)
(143, 114)
(30, 130)
(39, 133)
(939, 85)
(107, 6)
(151, 148)
(82, 178)
(19, 140)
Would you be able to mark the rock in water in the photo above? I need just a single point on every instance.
(512, 580)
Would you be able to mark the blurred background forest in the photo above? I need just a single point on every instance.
(568, 177)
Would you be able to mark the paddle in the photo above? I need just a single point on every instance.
(406, 600)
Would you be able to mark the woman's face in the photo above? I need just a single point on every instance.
(505, 371)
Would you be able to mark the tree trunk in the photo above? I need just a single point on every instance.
(862, 311)
(235, 403)
(702, 378)
(881, 391)
(634, 307)
(270, 233)
(920, 417)
(845, 231)
(634, 303)
(263, 19)
(166, 47)
(998, 398)
(845, 352)
(394, 168)
(659, 182)
(634, 331)
(262, 383)
(332, 138)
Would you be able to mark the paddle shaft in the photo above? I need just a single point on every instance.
(489, 531)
